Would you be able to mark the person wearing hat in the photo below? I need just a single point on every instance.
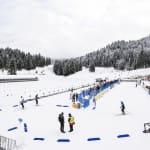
(71, 122)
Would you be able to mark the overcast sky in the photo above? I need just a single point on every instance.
(70, 28)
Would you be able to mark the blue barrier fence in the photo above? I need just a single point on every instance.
(86, 95)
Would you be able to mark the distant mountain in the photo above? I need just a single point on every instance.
(121, 55)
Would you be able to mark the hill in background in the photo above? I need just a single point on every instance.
(121, 55)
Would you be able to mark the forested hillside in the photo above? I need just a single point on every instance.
(14, 59)
(120, 55)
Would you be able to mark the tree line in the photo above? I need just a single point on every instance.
(14, 59)
(121, 55)
(67, 66)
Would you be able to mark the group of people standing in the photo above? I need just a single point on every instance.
(71, 122)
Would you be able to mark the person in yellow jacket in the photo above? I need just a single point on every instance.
(71, 122)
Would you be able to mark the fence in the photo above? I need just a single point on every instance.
(128, 80)
(18, 80)
(7, 143)
(59, 92)
(85, 102)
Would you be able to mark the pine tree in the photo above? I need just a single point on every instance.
(22, 60)
(12, 67)
(1, 63)
(92, 67)
(141, 60)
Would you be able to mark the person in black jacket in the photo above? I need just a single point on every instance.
(36, 99)
(122, 108)
(22, 102)
(62, 121)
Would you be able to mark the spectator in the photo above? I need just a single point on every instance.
(61, 121)
(71, 122)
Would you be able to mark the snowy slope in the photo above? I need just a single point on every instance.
(105, 121)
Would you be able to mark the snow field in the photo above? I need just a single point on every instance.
(105, 122)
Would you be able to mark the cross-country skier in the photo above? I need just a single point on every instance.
(122, 107)
(22, 102)
(36, 99)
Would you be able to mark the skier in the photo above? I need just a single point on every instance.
(61, 121)
(22, 102)
(71, 122)
(122, 107)
(36, 99)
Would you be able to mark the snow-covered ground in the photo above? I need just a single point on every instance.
(105, 122)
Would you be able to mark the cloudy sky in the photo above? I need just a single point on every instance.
(70, 28)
